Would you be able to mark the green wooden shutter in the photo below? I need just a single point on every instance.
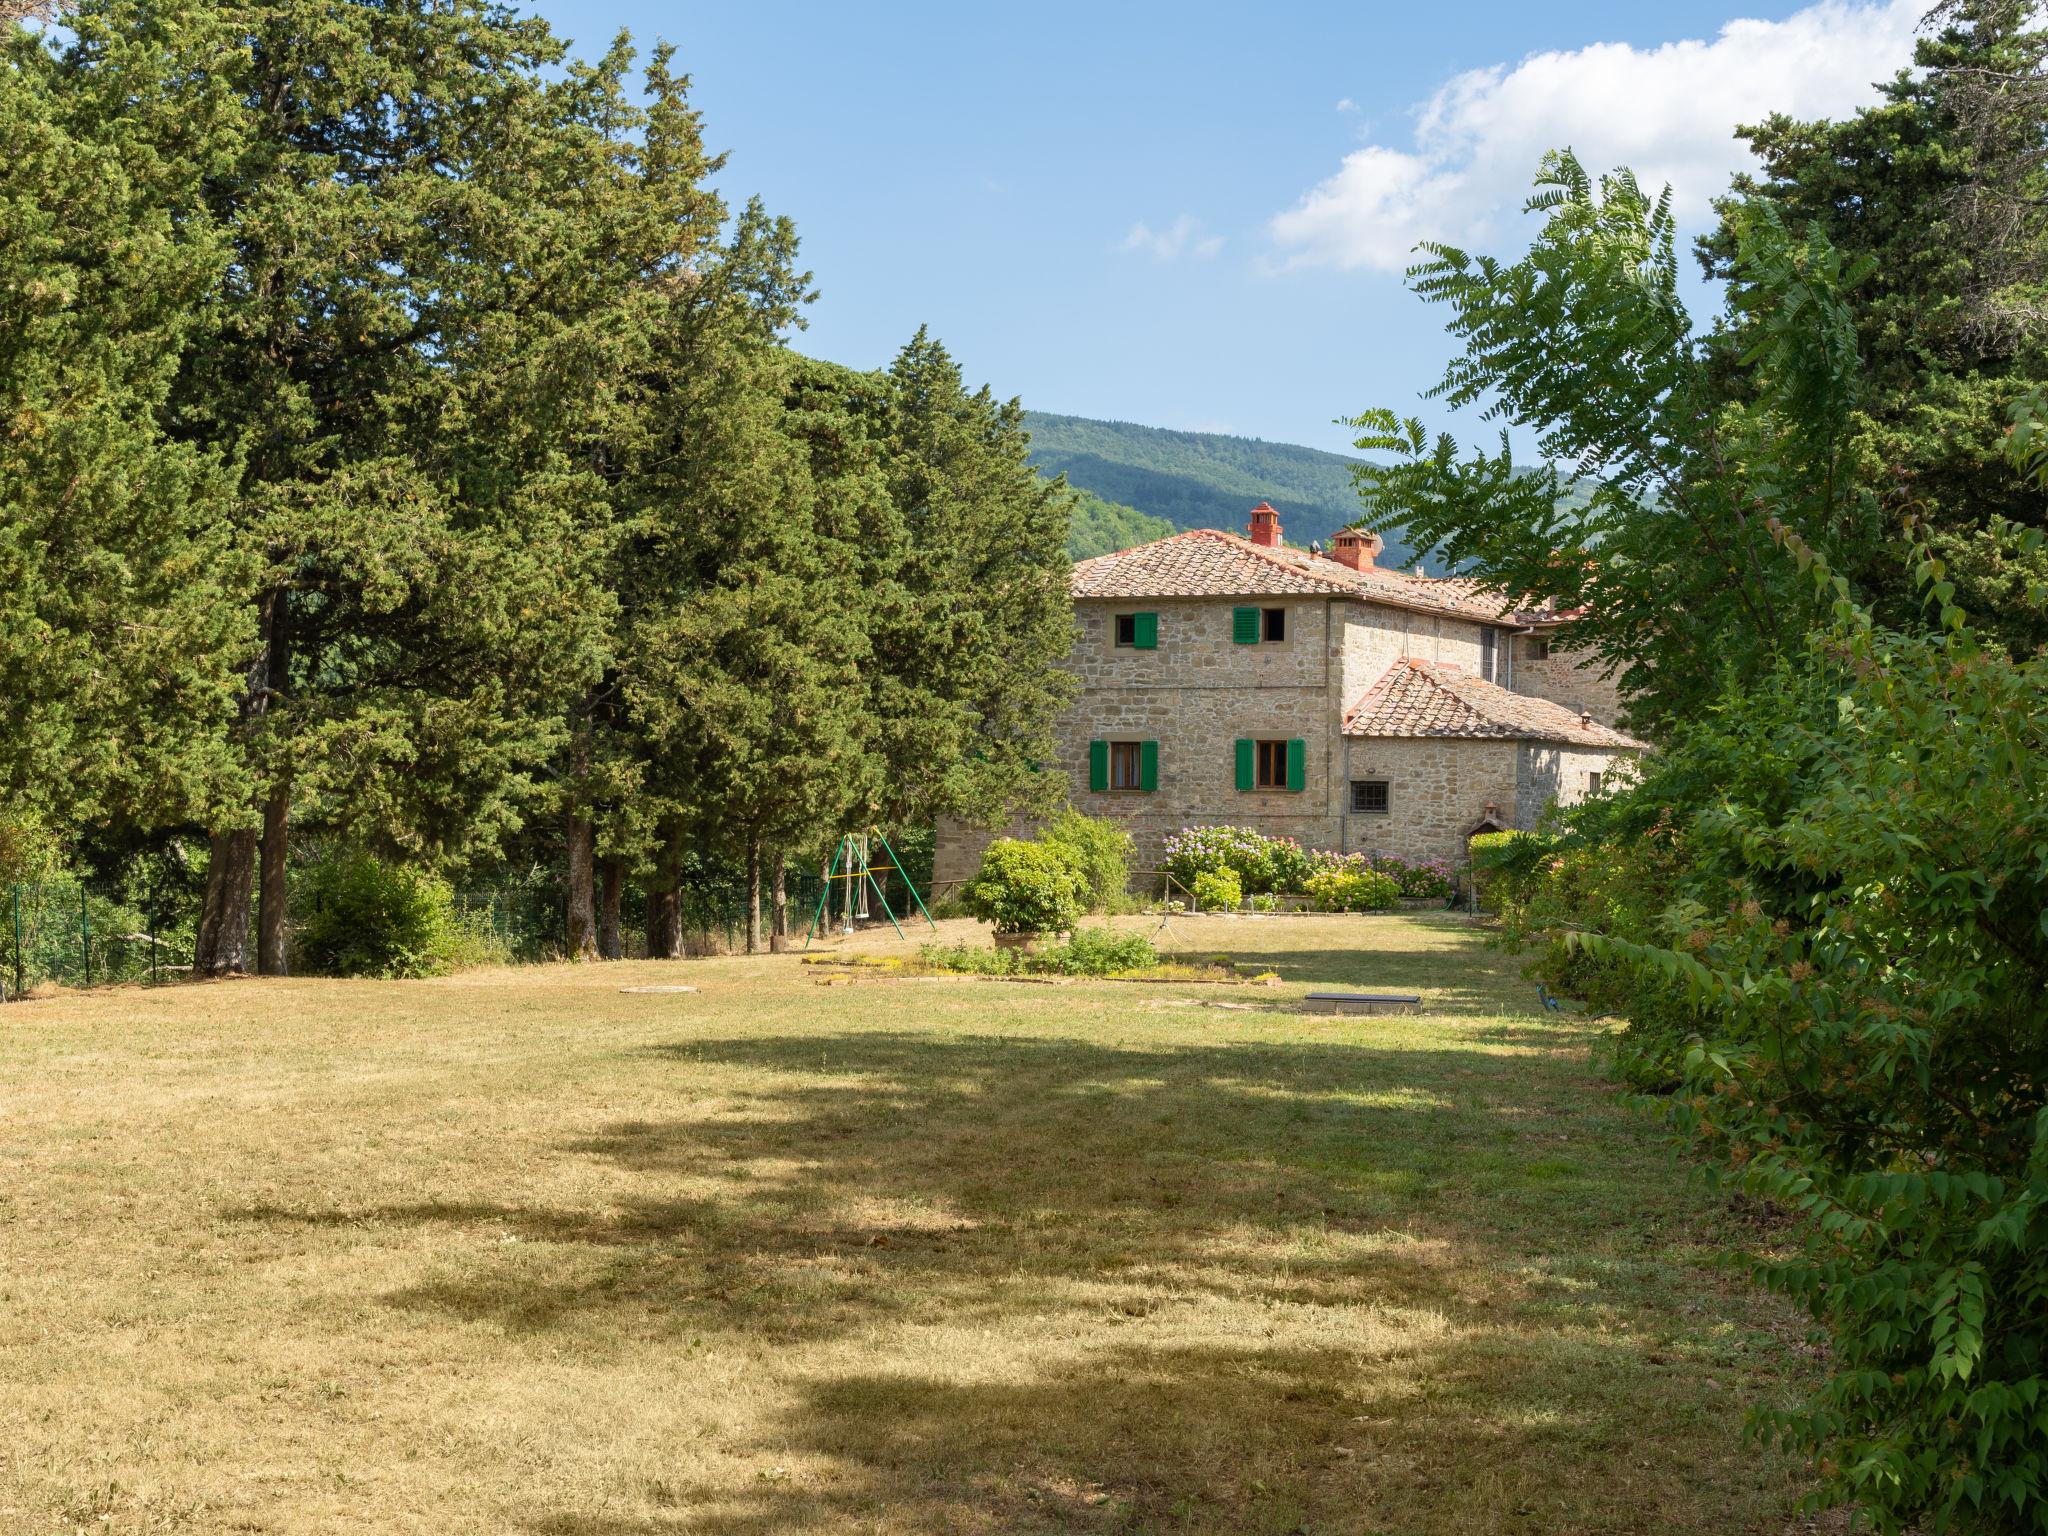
(1247, 761)
(1098, 765)
(1297, 765)
(1244, 626)
(1145, 631)
(1148, 766)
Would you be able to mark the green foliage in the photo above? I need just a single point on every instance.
(1104, 952)
(1217, 890)
(1025, 887)
(1352, 890)
(1940, 185)
(1585, 343)
(1246, 853)
(367, 917)
(121, 625)
(1101, 527)
(1837, 958)
(1202, 479)
(1090, 952)
(1101, 849)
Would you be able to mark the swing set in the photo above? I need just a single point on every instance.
(850, 863)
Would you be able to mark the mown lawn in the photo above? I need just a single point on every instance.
(520, 1252)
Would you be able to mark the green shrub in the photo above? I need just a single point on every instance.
(1820, 913)
(1101, 850)
(366, 917)
(1090, 952)
(1352, 890)
(1218, 890)
(1193, 850)
(1103, 952)
(1027, 887)
(1266, 903)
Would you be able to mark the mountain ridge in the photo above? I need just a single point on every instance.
(1205, 479)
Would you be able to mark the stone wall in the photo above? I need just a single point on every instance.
(1557, 775)
(1437, 791)
(1372, 639)
(1570, 678)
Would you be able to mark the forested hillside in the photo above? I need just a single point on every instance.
(1100, 527)
(1204, 479)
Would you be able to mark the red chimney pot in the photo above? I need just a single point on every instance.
(1356, 547)
(1265, 529)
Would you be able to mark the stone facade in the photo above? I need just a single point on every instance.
(1198, 692)
(1571, 678)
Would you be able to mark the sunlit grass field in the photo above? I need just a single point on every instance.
(519, 1251)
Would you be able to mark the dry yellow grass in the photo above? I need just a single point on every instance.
(519, 1252)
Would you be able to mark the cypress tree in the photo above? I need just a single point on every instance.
(120, 624)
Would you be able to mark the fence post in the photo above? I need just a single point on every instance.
(84, 933)
(17, 938)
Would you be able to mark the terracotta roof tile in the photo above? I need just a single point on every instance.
(1423, 698)
(1206, 562)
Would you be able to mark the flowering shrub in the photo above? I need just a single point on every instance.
(1218, 890)
(1264, 865)
(1249, 854)
(1418, 880)
(1359, 890)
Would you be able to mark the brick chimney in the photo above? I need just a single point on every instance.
(1356, 547)
(1265, 527)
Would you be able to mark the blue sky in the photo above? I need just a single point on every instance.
(1194, 215)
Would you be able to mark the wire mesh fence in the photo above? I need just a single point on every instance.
(71, 931)
(74, 932)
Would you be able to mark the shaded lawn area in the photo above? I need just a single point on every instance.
(516, 1251)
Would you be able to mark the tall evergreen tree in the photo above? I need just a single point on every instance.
(975, 619)
(121, 626)
(419, 334)
(1939, 193)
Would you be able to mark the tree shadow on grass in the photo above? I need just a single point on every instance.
(1182, 1247)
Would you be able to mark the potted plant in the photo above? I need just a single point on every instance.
(1027, 889)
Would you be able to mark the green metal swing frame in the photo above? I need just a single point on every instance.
(848, 853)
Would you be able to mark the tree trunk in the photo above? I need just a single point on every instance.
(272, 922)
(781, 929)
(580, 921)
(581, 938)
(612, 881)
(753, 895)
(665, 899)
(223, 947)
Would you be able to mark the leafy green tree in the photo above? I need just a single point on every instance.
(1100, 527)
(756, 683)
(1584, 342)
(445, 245)
(970, 632)
(1941, 191)
(121, 623)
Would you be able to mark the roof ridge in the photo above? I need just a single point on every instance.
(1478, 707)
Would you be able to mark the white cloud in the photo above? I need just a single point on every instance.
(1668, 113)
(1346, 104)
(1183, 237)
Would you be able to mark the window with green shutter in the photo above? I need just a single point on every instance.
(1244, 626)
(1247, 762)
(1148, 766)
(1297, 765)
(1098, 766)
(1145, 631)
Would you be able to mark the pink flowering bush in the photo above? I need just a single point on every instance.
(1264, 865)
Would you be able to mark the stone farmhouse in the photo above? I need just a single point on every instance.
(1233, 679)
